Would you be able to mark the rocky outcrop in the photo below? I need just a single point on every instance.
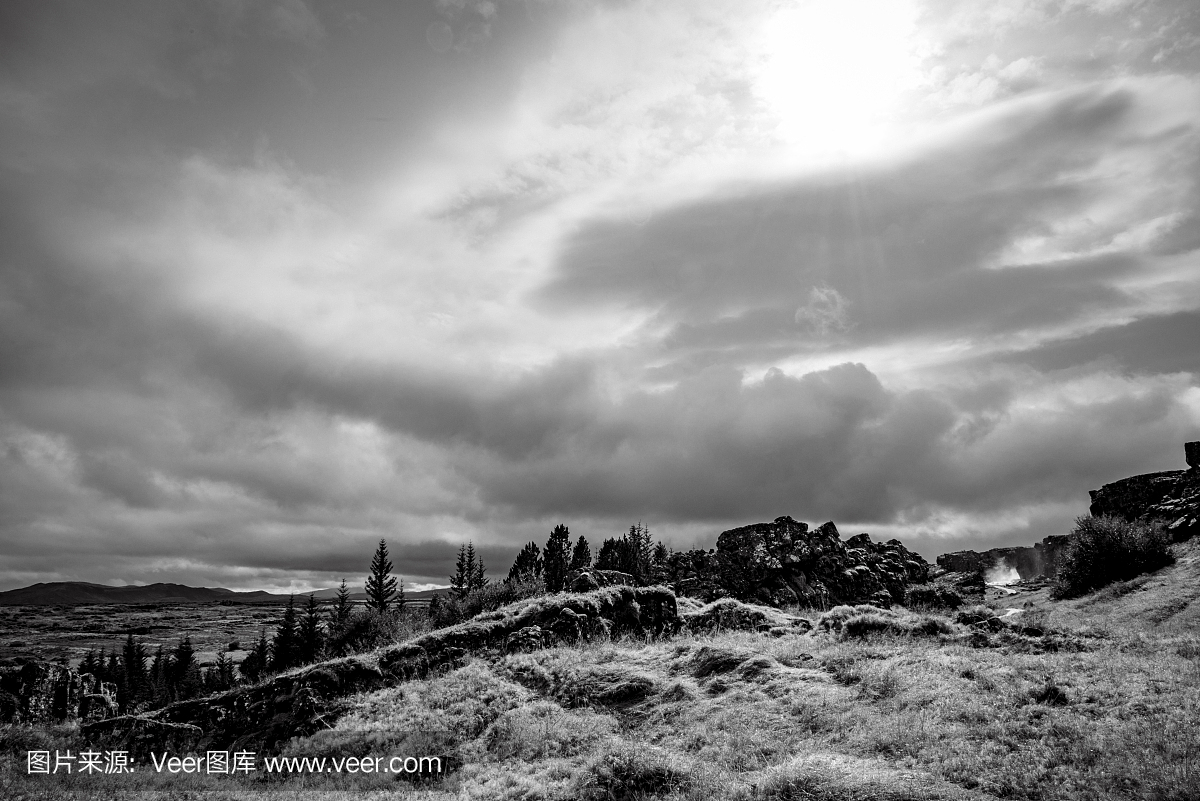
(1040, 559)
(1172, 496)
(41, 692)
(592, 579)
(730, 614)
(302, 701)
(785, 562)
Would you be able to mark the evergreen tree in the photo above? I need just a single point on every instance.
(528, 564)
(659, 563)
(257, 663)
(219, 676)
(479, 578)
(399, 599)
(555, 559)
(160, 686)
(609, 557)
(285, 647)
(133, 669)
(581, 557)
(185, 673)
(112, 669)
(312, 638)
(464, 570)
(381, 585)
(88, 663)
(339, 614)
(638, 551)
(339, 621)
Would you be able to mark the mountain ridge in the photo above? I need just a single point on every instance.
(75, 593)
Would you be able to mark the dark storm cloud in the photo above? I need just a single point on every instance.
(190, 391)
(1162, 344)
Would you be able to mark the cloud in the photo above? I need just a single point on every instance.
(825, 311)
(924, 246)
(1159, 344)
(587, 273)
(295, 21)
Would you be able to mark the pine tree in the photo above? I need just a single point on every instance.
(479, 578)
(381, 585)
(339, 621)
(225, 670)
(434, 609)
(609, 557)
(638, 551)
(88, 663)
(256, 663)
(112, 668)
(285, 647)
(581, 557)
(464, 569)
(133, 670)
(659, 560)
(185, 673)
(312, 638)
(555, 559)
(160, 688)
(528, 564)
(399, 599)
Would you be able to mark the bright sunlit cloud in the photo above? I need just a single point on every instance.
(439, 271)
(835, 74)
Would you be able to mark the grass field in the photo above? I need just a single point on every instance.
(1105, 705)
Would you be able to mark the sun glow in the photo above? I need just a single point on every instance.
(836, 73)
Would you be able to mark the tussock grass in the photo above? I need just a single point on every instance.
(870, 705)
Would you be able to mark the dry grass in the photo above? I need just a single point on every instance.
(898, 706)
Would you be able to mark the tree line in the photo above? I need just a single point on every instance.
(303, 636)
(309, 634)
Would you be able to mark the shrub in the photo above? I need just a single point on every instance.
(450, 611)
(366, 629)
(1107, 549)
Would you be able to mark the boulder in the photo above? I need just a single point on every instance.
(530, 638)
(592, 579)
(730, 614)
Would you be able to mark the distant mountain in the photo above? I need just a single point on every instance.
(409, 595)
(74, 593)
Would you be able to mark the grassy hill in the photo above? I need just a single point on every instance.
(1092, 698)
(1106, 704)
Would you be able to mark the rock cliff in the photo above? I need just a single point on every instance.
(786, 562)
(1172, 496)
(1040, 559)
(42, 692)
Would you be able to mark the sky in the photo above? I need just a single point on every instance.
(279, 279)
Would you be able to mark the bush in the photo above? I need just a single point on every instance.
(450, 611)
(367, 629)
(1107, 549)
